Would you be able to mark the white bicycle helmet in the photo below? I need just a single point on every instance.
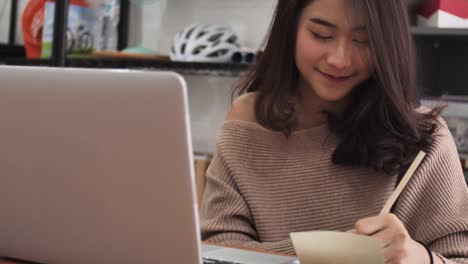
(204, 43)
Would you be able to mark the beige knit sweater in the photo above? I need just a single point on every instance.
(262, 186)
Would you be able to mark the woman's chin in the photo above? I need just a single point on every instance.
(332, 97)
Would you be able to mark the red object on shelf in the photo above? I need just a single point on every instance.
(83, 3)
(32, 22)
(443, 13)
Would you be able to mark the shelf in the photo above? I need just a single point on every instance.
(184, 68)
(442, 32)
(11, 50)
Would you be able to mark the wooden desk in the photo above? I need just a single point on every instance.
(206, 243)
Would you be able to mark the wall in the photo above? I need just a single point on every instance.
(154, 26)
(5, 20)
(209, 100)
(162, 19)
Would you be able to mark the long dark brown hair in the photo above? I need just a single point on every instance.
(381, 128)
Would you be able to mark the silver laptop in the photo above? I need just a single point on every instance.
(96, 167)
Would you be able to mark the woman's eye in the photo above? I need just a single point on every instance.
(361, 41)
(321, 37)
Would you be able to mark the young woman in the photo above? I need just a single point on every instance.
(326, 124)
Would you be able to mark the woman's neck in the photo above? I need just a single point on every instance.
(312, 111)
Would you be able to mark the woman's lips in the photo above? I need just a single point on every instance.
(334, 78)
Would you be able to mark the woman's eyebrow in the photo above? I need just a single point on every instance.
(323, 22)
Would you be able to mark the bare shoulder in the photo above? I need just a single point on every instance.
(243, 108)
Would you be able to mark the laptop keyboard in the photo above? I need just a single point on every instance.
(215, 261)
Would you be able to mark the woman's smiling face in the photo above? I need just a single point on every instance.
(332, 54)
